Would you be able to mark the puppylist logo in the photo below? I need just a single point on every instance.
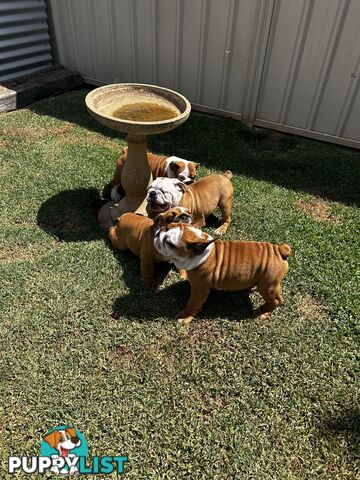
(64, 451)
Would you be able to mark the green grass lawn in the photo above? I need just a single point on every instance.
(82, 343)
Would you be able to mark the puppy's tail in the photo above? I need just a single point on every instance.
(228, 174)
(285, 250)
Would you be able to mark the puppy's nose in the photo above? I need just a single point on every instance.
(152, 194)
(75, 440)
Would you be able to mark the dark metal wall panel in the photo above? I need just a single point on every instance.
(24, 38)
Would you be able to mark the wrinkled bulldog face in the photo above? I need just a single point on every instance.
(164, 193)
(168, 242)
(183, 244)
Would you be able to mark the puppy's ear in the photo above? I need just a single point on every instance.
(199, 246)
(159, 220)
(181, 186)
(163, 219)
(174, 167)
(197, 165)
(52, 438)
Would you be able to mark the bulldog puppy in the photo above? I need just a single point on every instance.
(160, 166)
(223, 265)
(200, 199)
(136, 233)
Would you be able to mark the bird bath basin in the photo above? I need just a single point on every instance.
(138, 110)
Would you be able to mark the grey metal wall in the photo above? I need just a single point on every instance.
(311, 75)
(292, 65)
(24, 38)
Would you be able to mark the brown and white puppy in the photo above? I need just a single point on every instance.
(160, 166)
(136, 233)
(223, 265)
(200, 199)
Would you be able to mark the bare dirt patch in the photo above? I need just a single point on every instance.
(100, 140)
(61, 129)
(202, 332)
(17, 223)
(65, 132)
(318, 208)
(35, 132)
(16, 253)
(121, 353)
(93, 139)
(311, 307)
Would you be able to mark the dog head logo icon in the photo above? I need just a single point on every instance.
(64, 445)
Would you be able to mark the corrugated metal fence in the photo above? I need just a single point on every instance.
(24, 38)
(292, 65)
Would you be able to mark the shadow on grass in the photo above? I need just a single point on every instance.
(71, 215)
(320, 169)
(169, 301)
(142, 304)
(347, 426)
(297, 163)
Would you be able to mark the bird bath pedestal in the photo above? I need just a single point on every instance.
(114, 106)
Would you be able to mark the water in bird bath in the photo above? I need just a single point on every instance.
(144, 112)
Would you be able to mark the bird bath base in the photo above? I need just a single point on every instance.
(135, 179)
(136, 176)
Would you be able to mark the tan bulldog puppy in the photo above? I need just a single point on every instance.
(136, 233)
(160, 166)
(200, 199)
(223, 265)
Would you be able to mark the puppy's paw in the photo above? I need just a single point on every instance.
(183, 274)
(184, 319)
(261, 315)
(221, 230)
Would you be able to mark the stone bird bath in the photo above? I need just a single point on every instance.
(138, 110)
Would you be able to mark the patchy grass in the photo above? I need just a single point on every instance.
(318, 208)
(21, 252)
(311, 307)
(82, 342)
